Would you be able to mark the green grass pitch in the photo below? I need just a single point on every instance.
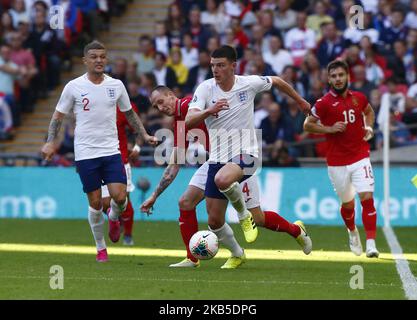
(282, 272)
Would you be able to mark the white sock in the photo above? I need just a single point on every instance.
(96, 220)
(116, 210)
(227, 238)
(235, 196)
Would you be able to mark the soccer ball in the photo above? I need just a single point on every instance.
(204, 245)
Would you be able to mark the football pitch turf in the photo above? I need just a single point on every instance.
(276, 268)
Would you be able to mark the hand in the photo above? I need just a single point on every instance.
(134, 153)
(147, 205)
(305, 107)
(48, 151)
(153, 141)
(369, 133)
(220, 105)
(339, 126)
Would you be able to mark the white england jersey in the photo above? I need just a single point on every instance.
(94, 106)
(231, 133)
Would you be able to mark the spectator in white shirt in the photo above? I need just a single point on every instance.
(276, 56)
(188, 52)
(411, 18)
(285, 18)
(161, 39)
(391, 101)
(215, 17)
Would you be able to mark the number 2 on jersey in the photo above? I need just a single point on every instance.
(85, 102)
(349, 116)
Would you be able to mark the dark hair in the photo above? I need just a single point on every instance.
(225, 51)
(95, 45)
(337, 64)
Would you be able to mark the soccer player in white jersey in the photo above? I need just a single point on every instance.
(93, 97)
(226, 104)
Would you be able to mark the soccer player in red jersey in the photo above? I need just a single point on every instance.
(166, 102)
(346, 118)
(128, 214)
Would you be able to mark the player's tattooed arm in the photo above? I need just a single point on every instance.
(169, 175)
(137, 125)
(48, 149)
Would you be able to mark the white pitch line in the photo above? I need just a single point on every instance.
(266, 282)
(402, 265)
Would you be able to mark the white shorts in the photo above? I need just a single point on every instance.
(354, 178)
(249, 187)
(129, 188)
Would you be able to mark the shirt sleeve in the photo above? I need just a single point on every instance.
(200, 98)
(259, 83)
(124, 101)
(66, 101)
(316, 109)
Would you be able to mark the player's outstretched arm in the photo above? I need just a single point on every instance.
(48, 148)
(169, 175)
(283, 86)
(312, 125)
(195, 116)
(137, 125)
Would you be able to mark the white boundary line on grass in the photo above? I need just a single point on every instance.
(402, 265)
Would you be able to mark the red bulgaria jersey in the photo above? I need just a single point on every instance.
(181, 134)
(343, 148)
(122, 123)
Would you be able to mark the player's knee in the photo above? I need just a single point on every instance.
(222, 182)
(215, 222)
(365, 196)
(120, 198)
(96, 204)
(185, 203)
(349, 205)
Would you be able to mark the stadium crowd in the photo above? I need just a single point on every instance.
(292, 39)
(33, 55)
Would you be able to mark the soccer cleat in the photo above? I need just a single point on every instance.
(371, 250)
(304, 239)
(249, 228)
(355, 242)
(102, 256)
(186, 263)
(234, 262)
(114, 230)
(128, 241)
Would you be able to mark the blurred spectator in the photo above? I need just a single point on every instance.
(394, 29)
(264, 100)
(295, 118)
(299, 40)
(9, 72)
(352, 57)
(27, 63)
(391, 101)
(213, 43)
(410, 115)
(18, 12)
(90, 17)
(164, 75)
(285, 17)
(147, 83)
(411, 17)
(257, 41)
(330, 46)
(200, 33)
(199, 73)
(215, 17)
(311, 72)
(361, 84)
(120, 69)
(397, 61)
(266, 21)
(260, 67)
(399, 133)
(140, 100)
(7, 27)
(161, 40)
(188, 52)
(243, 64)
(232, 8)
(315, 20)
(6, 121)
(277, 56)
(354, 34)
(374, 72)
(175, 62)
(289, 74)
(174, 23)
(280, 157)
(273, 129)
(145, 57)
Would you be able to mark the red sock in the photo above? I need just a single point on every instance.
(127, 219)
(274, 222)
(348, 216)
(188, 226)
(369, 218)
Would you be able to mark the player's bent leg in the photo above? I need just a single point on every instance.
(188, 223)
(216, 209)
(226, 180)
(369, 217)
(118, 204)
